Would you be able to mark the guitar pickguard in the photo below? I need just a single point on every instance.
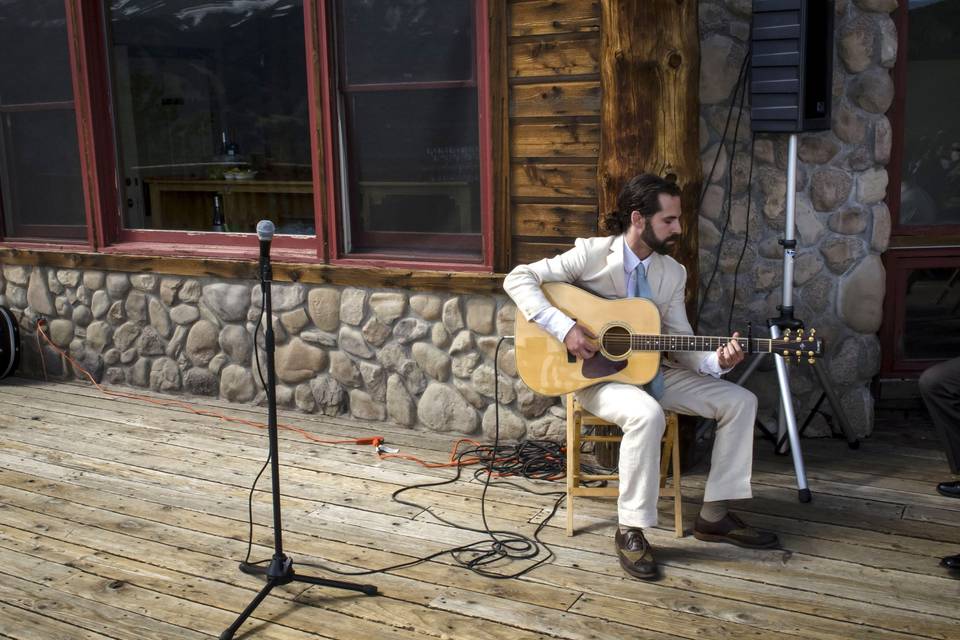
(598, 366)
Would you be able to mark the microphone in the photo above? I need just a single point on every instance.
(265, 231)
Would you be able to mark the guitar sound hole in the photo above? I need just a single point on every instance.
(616, 341)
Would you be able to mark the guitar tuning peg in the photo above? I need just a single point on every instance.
(813, 332)
(811, 354)
(799, 338)
(786, 332)
(798, 357)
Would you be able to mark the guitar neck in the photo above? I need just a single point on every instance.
(640, 342)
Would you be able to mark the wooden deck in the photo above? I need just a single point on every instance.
(119, 520)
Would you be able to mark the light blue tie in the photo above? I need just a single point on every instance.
(641, 289)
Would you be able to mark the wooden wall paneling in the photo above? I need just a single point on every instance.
(529, 179)
(548, 58)
(555, 220)
(649, 70)
(555, 99)
(553, 17)
(555, 139)
(526, 251)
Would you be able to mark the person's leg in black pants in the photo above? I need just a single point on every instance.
(940, 388)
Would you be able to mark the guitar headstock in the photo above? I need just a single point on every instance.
(798, 345)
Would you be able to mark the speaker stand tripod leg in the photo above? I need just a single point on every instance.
(786, 407)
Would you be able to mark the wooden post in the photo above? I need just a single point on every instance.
(650, 108)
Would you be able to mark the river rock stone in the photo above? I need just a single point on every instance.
(16, 274)
(298, 361)
(159, 317)
(829, 189)
(329, 396)
(38, 295)
(201, 382)
(165, 375)
(817, 149)
(99, 304)
(140, 372)
(303, 398)
(530, 403)
(191, 291)
(61, 332)
(202, 343)
(126, 335)
(551, 428)
(283, 297)
(352, 305)
(320, 338)
(443, 409)
(872, 186)
(67, 277)
(228, 301)
(850, 125)
(426, 306)
(880, 6)
(177, 342)
(860, 297)
(168, 290)
(462, 342)
(82, 316)
(841, 252)
(401, 408)
(720, 60)
(117, 285)
(375, 332)
(849, 222)
(512, 426)
(323, 307)
(856, 44)
(807, 265)
(463, 364)
(480, 312)
(452, 318)
(880, 236)
(344, 370)
(236, 384)
(505, 319)
(873, 90)
(116, 314)
(410, 329)
(439, 335)
(135, 307)
(99, 334)
(294, 321)
(351, 340)
(434, 362)
(150, 343)
(184, 314)
(363, 407)
(483, 380)
(145, 282)
(387, 307)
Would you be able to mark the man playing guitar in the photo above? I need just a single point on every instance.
(634, 263)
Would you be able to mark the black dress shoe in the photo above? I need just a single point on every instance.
(733, 530)
(635, 554)
(951, 562)
(949, 489)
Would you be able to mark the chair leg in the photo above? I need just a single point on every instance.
(573, 459)
(677, 495)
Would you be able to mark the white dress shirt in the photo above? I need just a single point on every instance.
(558, 324)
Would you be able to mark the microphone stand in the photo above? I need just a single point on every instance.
(280, 571)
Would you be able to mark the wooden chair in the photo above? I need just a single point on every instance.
(577, 418)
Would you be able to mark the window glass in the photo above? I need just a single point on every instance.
(408, 124)
(211, 114)
(930, 190)
(932, 311)
(39, 159)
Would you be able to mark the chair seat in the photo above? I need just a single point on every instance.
(577, 419)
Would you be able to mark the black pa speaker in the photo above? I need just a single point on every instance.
(791, 65)
(9, 343)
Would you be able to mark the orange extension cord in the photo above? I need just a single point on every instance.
(375, 441)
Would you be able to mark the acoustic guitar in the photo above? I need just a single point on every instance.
(629, 342)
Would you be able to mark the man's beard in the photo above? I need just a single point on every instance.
(663, 247)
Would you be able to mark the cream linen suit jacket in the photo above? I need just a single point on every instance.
(596, 264)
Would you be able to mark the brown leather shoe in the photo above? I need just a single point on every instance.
(733, 530)
(635, 554)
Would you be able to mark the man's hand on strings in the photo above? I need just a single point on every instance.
(580, 342)
(730, 354)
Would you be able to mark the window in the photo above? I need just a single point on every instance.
(930, 157)
(360, 127)
(410, 148)
(42, 193)
(211, 115)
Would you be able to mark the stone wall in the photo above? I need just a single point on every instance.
(843, 224)
(418, 360)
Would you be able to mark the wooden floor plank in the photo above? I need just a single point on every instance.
(95, 491)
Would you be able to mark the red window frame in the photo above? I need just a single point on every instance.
(334, 224)
(98, 159)
(911, 246)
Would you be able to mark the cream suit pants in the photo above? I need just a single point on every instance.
(642, 421)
